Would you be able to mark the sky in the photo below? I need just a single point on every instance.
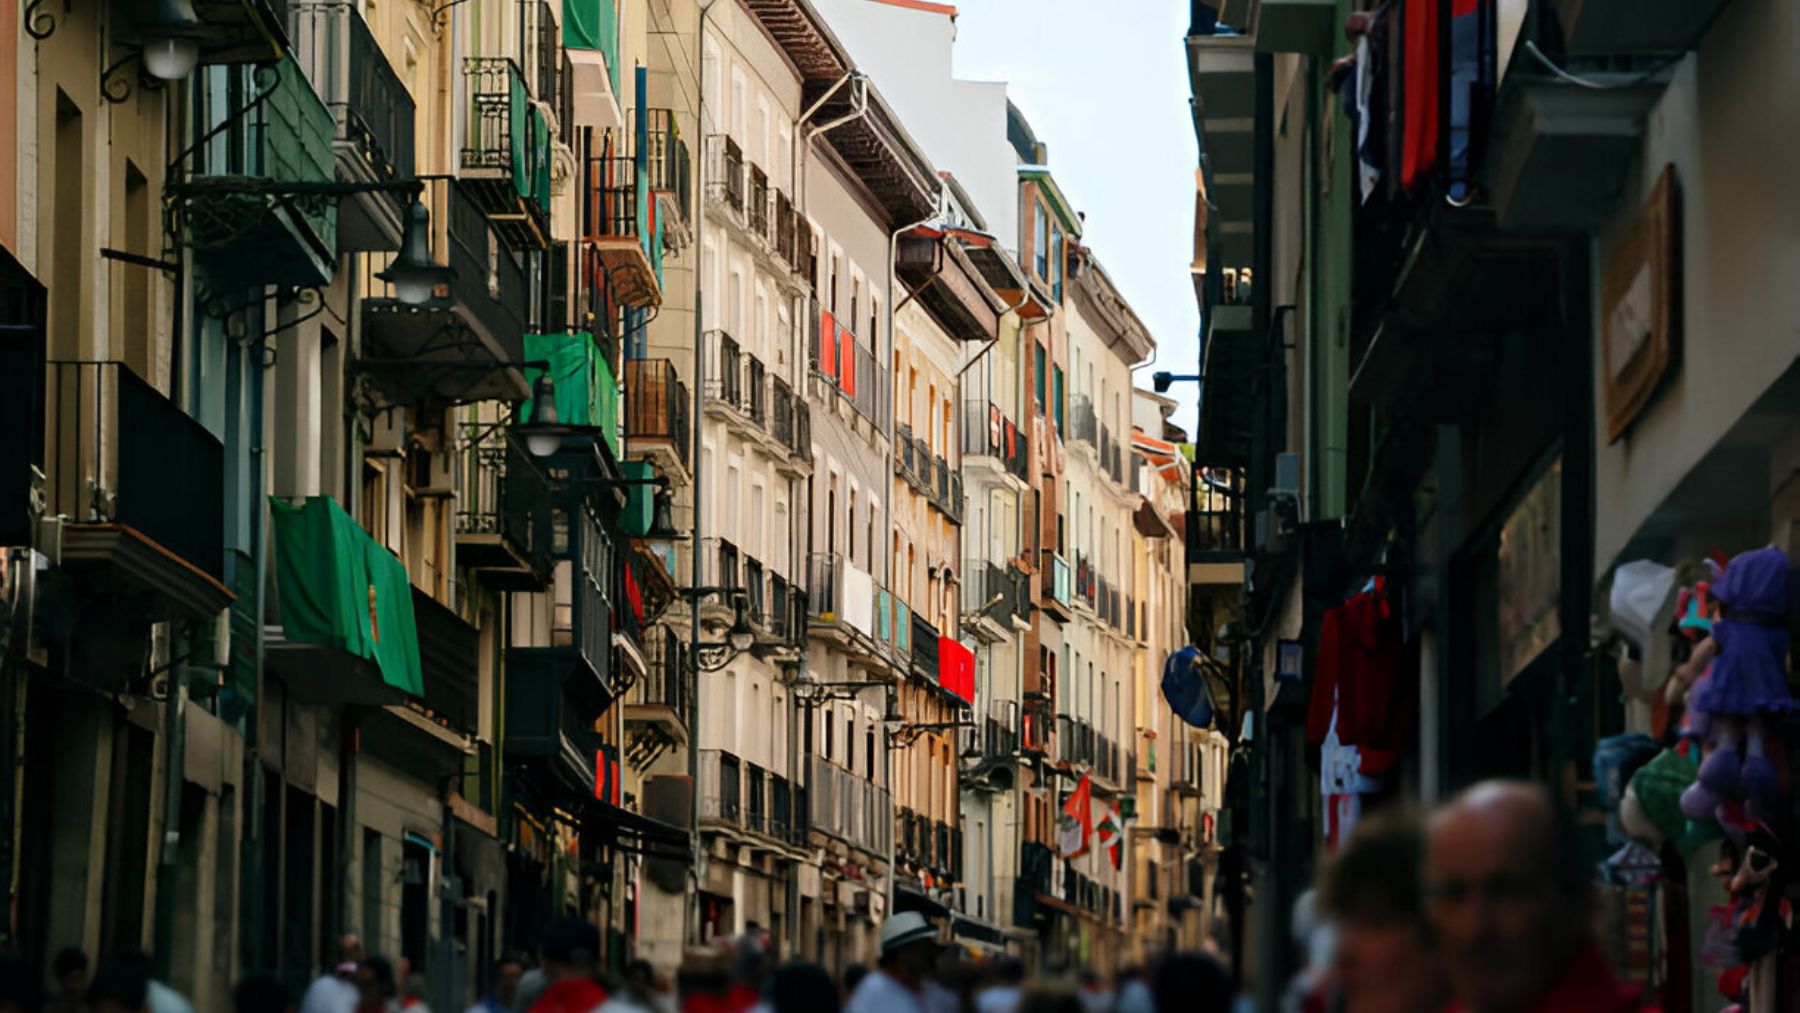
(1104, 84)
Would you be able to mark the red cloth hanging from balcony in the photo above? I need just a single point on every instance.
(1420, 90)
(956, 669)
(827, 344)
(847, 361)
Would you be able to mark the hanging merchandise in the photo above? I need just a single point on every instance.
(1361, 712)
(1743, 686)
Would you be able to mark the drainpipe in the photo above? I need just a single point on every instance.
(697, 846)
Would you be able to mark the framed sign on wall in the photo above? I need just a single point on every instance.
(1640, 310)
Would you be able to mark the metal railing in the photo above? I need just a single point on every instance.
(724, 369)
(667, 160)
(657, 405)
(781, 411)
(924, 648)
(785, 224)
(351, 74)
(756, 198)
(487, 278)
(725, 171)
(756, 389)
(721, 787)
(665, 681)
(1083, 425)
(1214, 531)
(848, 807)
(488, 141)
(610, 200)
(117, 451)
(501, 492)
(541, 40)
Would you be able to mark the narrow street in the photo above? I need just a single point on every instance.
(1021, 506)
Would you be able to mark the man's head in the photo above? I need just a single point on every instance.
(262, 994)
(908, 948)
(1506, 894)
(571, 950)
(350, 949)
(1371, 892)
(71, 970)
(375, 980)
(506, 978)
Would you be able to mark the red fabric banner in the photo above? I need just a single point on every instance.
(956, 669)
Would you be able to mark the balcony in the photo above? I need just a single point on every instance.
(994, 596)
(745, 798)
(503, 529)
(756, 203)
(663, 697)
(670, 176)
(988, 433)
(142, 486)
(1221, 57)
(786, 225)
(842, 362)
(346, 633)
(1083, 426)
(618, 231)
(240, 214)
(924, 649)
(430, 737)
(725, 174)
(657, 417)
(851, 809)
(946, 492)
(844, 611)
(1056, 584)
(505, 157)
(578, 658)
(542, 60)
(464, 344)
(374, 138)
(939, 271)
(550, 725)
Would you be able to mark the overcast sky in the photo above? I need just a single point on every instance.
(1104, 84)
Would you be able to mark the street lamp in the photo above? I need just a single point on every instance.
(741, 637)
(544, 433)
(414, 277)
(171, 43)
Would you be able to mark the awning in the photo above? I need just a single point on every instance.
(970, 929)
(343, 591)
(1163, 455)
(633, 832)
(908, 898)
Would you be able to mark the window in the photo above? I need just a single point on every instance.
(850, 529)
(1056, 398)
(1037, 375)
(831, 284)
(1056, 264)
(1041, 243)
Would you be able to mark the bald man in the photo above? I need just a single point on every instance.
(1507, 895)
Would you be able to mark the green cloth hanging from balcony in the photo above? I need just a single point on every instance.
(342, 590)
(640, 500)
(571, 358)
(523, 171)
(606, 402)
(581, 23)
(540, 147)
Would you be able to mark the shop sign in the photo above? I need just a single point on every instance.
(1640, 341)
(1530, 561)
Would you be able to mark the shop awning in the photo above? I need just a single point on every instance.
(621, 828)
(347, 603)
(910, 898)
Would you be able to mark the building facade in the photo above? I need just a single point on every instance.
(589, 457)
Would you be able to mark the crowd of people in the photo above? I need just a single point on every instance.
(1482, 907)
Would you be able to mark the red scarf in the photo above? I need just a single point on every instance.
(576, 995)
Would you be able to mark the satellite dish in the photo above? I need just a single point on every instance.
(1184, 685)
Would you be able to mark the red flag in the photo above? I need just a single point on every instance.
(1077, 822)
